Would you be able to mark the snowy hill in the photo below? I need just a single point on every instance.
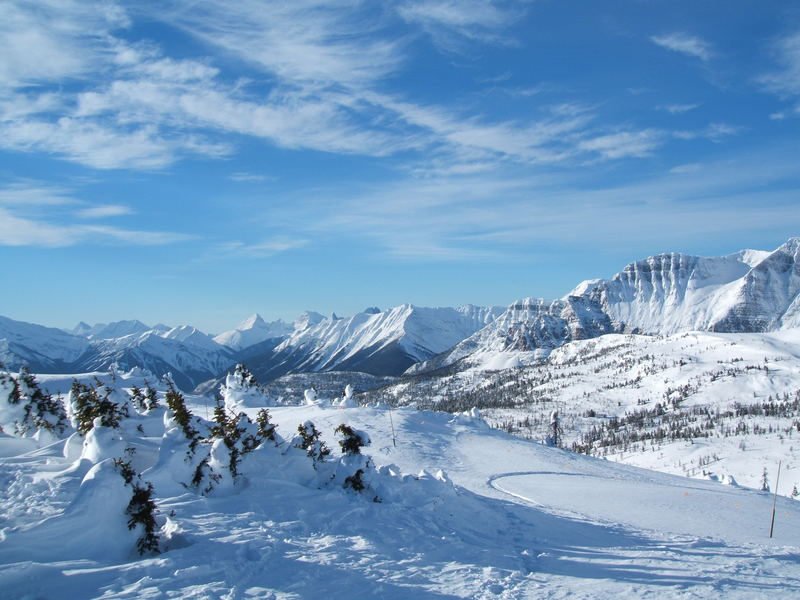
(379, 343)
(508, 519)
(698, 404)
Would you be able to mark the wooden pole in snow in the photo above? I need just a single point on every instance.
(775, 499)
(391, 421)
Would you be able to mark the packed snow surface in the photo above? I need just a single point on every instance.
(482, 515)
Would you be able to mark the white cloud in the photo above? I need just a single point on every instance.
(624, 144)
(32, 193)
(322, 68)
(54, 40)
(678, 109)
(446, 21)
(685, 44)
(105, 210)
(262, 249)
(21, 231)
(35, 214)
(785, 81)
(303, 42)
(491, 214)
(687, 168)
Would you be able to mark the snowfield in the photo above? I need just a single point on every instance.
(451, 509)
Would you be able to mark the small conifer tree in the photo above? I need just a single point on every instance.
(181, 414)
(141, 509)
(351, 440)
(266, 430)
(92, 402)
(355, 482)
(7, 381)
(764, 481)
(150, 397)
(37, 408)
(233, 432)
(555, 431)
(310, 442)
(138, 399)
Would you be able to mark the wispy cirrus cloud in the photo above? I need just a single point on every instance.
(785, 80)
(319, 83)
(263, 248)
(103, 211)
(244, 177)
(684, 43)
(624, 143)
(448, 22)
(493, 216)
(678, 109)
(22, 231)
(36, 214)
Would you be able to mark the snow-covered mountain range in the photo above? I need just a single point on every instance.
(745, 292)
(379, 343)
(748, 291)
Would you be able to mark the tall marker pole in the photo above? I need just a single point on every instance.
(775, 499)
(394, 443)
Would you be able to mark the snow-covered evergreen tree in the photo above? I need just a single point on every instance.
(266, 430)
(141, 509)
(353, 466)
(308, 438)
(150, 397)
(764, 481)
(242, 390)
(351, 440)
(99, 401)
(26, 409)
(555, 431)
(181, 415)
(138, 399)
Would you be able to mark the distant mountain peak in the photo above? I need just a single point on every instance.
(254, 321)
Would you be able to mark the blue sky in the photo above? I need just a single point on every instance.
(192, 162)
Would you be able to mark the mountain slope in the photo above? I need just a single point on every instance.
(190, 355)
(748, 291)
(382, 343)
(40, 348)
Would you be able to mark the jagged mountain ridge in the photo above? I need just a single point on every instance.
(749, 291)
(379, 343)
(251, 331)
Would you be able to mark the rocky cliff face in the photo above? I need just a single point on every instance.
(748, 291)
(531, 325)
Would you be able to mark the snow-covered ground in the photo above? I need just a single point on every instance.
(509, 519)
(710, 388)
